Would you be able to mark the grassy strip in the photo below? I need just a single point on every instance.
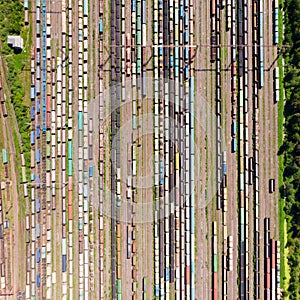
(284, 276)
(290, 190)
(282, 231)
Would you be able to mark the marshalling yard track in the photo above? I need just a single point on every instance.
(154, 140)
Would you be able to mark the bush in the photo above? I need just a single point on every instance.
(11, 23)
(291, 174)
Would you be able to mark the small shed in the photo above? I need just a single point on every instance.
(16, 42)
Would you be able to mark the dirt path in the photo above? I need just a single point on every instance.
(203, 198)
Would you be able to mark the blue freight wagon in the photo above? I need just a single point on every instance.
(32, 112)
(91, 171)
(192, 221)
(64, 263)
(171, 61)
(160, 51)
(192, 84)
(44, 118)
(38, 156)
(80, 35)
(38, 280)
(144, 12)
(186, 53)
(156, 290)
(38, 255)
(224, 168)
(186, 36)
(234, 128)
(160, 4)
(37, 106)
(133, 6)
(32, 177)
(101, 26)
(186, 72)
(38, 128)
(186, 20)
(38, 182)
(161, 172)
(38, 205)
(234, 145)
(44, 87)
(261, 73)
(85, 7)
(167, 274)
(181, 12)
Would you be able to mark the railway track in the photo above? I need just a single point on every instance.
(78, 155)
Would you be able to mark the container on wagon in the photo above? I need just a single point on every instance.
(271, 185)
(38, 205)
(32, 110)
(43, 252)
(23, 170)
(4, 156)
(38, 230)
(38, 158)
(37, 106)
(32, 92)
(38, 255)
(37, 131)
(91, 171)
(64, 263)
(38, 180)
(38, 280)
(101, 26)
(80, 35)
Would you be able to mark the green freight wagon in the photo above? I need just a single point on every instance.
(215, 263)
(4, 156)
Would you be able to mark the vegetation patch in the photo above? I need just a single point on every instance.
(290, 149)
(12, 23)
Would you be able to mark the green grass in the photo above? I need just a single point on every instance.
(282, 225)
(284, 275)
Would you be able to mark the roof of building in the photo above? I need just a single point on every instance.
(15, 41)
